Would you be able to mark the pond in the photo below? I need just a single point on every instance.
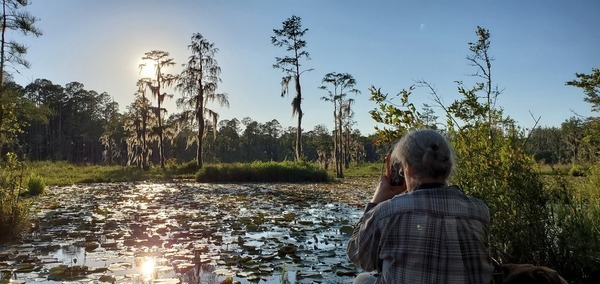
(185, 232)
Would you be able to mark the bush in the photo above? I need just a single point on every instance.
(187, 168)
(575, 221)
(14, 211)
(14, 218)
(36, 185)
(576, 171)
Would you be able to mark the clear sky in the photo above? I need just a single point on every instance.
(538, 45)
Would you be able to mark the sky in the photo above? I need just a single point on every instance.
(537, 46)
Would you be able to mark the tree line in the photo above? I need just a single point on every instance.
(71, 123)
(84, 126)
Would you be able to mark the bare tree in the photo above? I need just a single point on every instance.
(342, 85)
(290, 37)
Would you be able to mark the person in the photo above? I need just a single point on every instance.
(423, 231)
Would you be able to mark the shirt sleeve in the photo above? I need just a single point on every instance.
(362, 247)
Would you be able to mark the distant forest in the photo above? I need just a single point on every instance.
(70, 123)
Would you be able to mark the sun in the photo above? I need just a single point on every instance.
(147, 68)
(147, 268)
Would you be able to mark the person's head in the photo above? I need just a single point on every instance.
(428, 155)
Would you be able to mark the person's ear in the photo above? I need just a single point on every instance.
(408, 171)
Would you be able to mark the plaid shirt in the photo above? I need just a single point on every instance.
(435, 235)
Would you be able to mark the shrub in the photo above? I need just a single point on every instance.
(575, 221)
(14, 211)
(14, 218)
(36, 185)
(576, 171)
(187, 168)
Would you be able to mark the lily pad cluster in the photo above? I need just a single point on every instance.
(190, 232)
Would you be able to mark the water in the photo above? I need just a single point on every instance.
(186, 232)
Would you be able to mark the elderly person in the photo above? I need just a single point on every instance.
(424, 231)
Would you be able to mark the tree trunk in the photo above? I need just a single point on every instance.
(200, 141)
(339, 148)
(144, 150)
(3, 46)
(299, 110)
(2, 63)
(161, 148)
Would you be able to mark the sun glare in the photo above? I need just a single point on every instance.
(146, 69)
(147, 267)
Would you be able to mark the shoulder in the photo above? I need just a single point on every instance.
(443, 201)
(405, 202)
(475, 205)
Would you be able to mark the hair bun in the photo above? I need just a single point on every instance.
(431, 154)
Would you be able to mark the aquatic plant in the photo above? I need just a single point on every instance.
(36, 185)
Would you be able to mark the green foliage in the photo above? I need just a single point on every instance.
(262, 172)
(36, 185)
(532, 220)
(14, 218)
(365, 170)
(16, 19)
(498, 172)
(63, 173)
(14, 212)
(187, 168)
(552, 170)
(400, 117)
(590, 83)
(576, 171)
(575, 219)
(494, 167)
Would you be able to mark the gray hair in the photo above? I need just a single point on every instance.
(427, 152)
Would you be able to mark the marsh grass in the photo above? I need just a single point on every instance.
(14, 210)
(262, 172)
(36, 184)
(63, 173)
(553, 170)
(364, 170)
(575, 219)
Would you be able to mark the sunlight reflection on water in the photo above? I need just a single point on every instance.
(143, 232)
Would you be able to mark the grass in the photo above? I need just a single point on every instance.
(362, 170)
(262, 172)
(63, 173)
(559, 169)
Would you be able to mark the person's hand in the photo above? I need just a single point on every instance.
(384, 191)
